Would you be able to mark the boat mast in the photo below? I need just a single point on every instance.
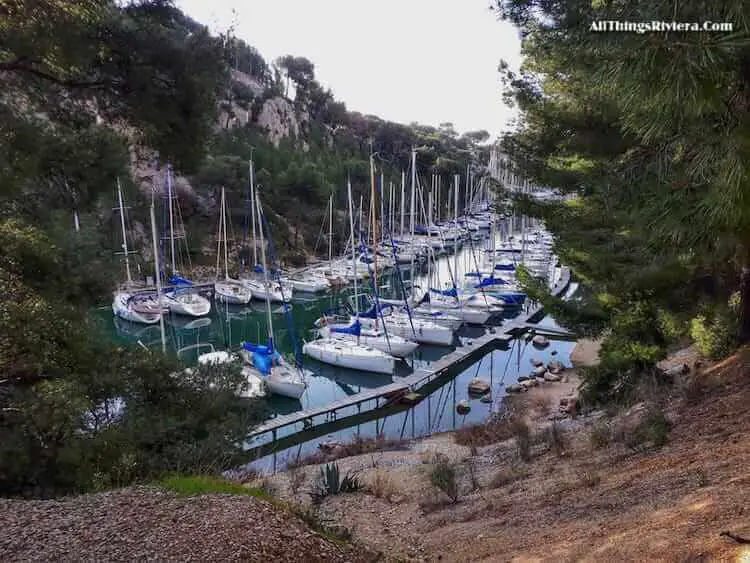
(252, 211)
(224, 226)
(403, 200)
(259, 210)
(124, 233)
(354, 251)
(456, 180)
(330, 234)
(171, 218)
(158, 277)
(373, 227)
(413, 187)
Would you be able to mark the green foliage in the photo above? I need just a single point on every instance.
(444, 477)
(715, 335)
(330, 482)
(207, 485)
(643, 152)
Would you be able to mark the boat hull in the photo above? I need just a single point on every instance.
(327, 352)
(125, 310)
(187, 304)
(233, 293)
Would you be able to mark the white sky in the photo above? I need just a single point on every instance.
(429, 61)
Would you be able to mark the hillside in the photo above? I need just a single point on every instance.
(604, 496)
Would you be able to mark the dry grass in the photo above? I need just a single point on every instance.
(507, 475)
(382, 485)
(356, 447)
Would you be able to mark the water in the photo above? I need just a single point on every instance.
(228, 326)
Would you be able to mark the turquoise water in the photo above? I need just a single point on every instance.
(228, 326)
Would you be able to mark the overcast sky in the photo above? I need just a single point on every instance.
(429, 61)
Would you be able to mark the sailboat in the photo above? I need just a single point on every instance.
(342, 352)
(127, 304)
(181, 299)
(280, 377)
(227, 290)
(259, 285)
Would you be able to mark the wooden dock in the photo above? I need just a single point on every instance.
(465, 354)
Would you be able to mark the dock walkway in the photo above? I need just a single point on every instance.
(421, 376)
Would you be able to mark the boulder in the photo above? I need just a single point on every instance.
(463, 407)
(478, 387)
(536, 362)
(514, 388)
(551, 377)
(539, 370)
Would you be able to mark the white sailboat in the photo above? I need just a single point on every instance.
(227, 290)
(280, 377)
(181, 299)
(259, 285)
(342, 352)
(127, 304)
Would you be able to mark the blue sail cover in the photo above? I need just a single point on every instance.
(486, 282)
(264, 357)
(447, 292)
(258, 269)
(472, 275)
(505, 267)
(179, 280)
(354, 329)
(420, 230)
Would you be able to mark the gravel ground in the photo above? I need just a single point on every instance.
(144, 523)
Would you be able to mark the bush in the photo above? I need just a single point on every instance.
(715, 335)
(382, 486)
(651, 432)
(556, 440)
(507, 475)
(444, 477)
(601, 435)
(522, 435)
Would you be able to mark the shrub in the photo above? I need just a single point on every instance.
(555, 437)
(601, 435)
(507, 475)
(382, 486)
(715, 334)
(522, 435)
(651, 432)
(444, 478)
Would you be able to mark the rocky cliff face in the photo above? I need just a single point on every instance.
(278, 119)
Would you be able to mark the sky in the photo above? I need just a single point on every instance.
(430, 61)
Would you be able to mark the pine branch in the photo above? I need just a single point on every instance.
(24, 65)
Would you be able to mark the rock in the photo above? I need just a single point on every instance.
(553, 353)
(536, 362)
(522, 378)
(478, 387)
(529, 383)
(514, 388)
(676, 371)
(486, 398)
(278, 118)
(551, 377)
(539, 370)
(540, 341)
(463, 407)
(571, 407)
(540, 380)
(328, 447)
(555, 366)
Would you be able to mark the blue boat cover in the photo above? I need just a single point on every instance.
(179, 280)
(447, 292)
(354, 329)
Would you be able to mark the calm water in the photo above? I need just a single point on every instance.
(230, 325)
